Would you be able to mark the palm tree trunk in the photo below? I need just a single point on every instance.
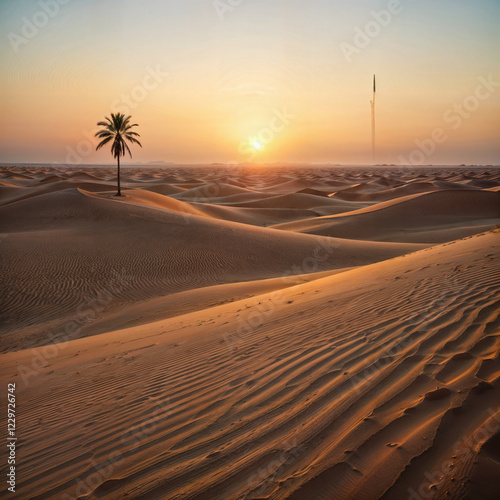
(119, 193)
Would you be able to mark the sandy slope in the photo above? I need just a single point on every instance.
(330, 396)
(167, 344)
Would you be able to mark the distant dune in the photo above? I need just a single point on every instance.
(427, 217)
(221, 333)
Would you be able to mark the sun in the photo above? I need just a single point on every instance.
(257, 145)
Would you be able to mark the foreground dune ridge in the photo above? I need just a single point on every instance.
(309, 395)
(229, 366)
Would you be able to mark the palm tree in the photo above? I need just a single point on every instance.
(117, 129)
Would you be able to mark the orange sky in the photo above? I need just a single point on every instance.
(265, 81)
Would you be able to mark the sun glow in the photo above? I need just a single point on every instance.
(298, 90)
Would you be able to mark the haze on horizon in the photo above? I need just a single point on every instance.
(255, 80)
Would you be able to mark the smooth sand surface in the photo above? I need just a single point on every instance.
(253, 333)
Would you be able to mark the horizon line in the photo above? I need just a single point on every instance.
(229, 164)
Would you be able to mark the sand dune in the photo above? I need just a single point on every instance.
(165, 189)
(256, 216)
(155, 240)
(167, 344)
(299, 200)
(436, 217)
(178, 304)
(354, 401)
(354, 194)
(207, 191)
(153, 199)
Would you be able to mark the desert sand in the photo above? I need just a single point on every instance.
(252, 332)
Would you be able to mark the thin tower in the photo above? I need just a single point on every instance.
(372, 102)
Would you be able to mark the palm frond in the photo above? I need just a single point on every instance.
(104, 133)
(128, 127)
(105, 124)
(134, 141)
(103, 142)
(128, 149)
